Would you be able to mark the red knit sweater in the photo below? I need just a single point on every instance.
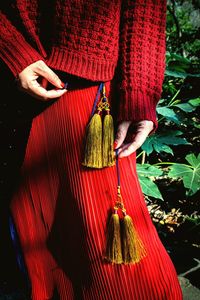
(92, 39)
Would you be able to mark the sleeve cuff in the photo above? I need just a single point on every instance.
(136, 105)
(18, 54)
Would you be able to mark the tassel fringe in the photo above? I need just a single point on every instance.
(108, 140)
(93, 147)
(132, 246)
(113, 247)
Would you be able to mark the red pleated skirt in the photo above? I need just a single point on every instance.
(60, 210)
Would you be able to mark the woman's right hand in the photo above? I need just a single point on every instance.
(28, 81)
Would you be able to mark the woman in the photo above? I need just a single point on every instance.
(60, 207)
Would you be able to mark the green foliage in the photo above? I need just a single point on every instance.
(159, 142)
(189, 106)
(147, 174)
(179, 66)
(168, 113)
(190, 174)
(177, 114)
(183, 28)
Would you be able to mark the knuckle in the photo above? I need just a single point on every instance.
(30, 85)
(23, 85)
(119, 137)
(121, 127)
(40, 65)
(119, 134)
(45, 98)
(135, 145)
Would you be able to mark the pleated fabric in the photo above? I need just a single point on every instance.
(60, 210)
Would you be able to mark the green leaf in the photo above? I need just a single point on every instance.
(148, 144)
(161, 101)
(163, 148)
(190, 174)
(160, 142)
(180, 74)
(173, 140)
(178, 170)
(149, 188)
(168, 113)
(179, 58)
(175, 74)
(197, 126)
(148, 170)
(189, 106)
(146, 173)
(193, 160)
(178, 66)
(185, 107)
(195, 102)
(175, 132)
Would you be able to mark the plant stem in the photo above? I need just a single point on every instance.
(161, 119)
(174, 97)
(171, 103)
(143, 157)
(141, 153)
(172, 163)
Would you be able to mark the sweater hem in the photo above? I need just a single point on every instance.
(81, 65)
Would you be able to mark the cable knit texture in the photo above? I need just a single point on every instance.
(91, 39)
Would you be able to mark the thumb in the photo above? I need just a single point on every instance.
(121, 133)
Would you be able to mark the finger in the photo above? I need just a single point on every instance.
(126, 150)
(42, 69)
(130, 148)
(37, 91)
(140, 137)
(121, 133)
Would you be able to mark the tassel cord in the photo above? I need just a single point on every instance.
(119, 203)
(96, 99)
(117, 167)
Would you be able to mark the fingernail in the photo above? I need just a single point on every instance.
(66, 85)
(62, 85)
(115, 145)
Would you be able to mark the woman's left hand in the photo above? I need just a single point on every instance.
(142, 130)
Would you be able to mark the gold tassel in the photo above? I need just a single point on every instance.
(93, 147)
(99, 150)
(129, 243)
(108, 140)
(113, 245)
(132, 246)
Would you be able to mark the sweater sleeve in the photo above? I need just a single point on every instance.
(141, 58)
(15, 51)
